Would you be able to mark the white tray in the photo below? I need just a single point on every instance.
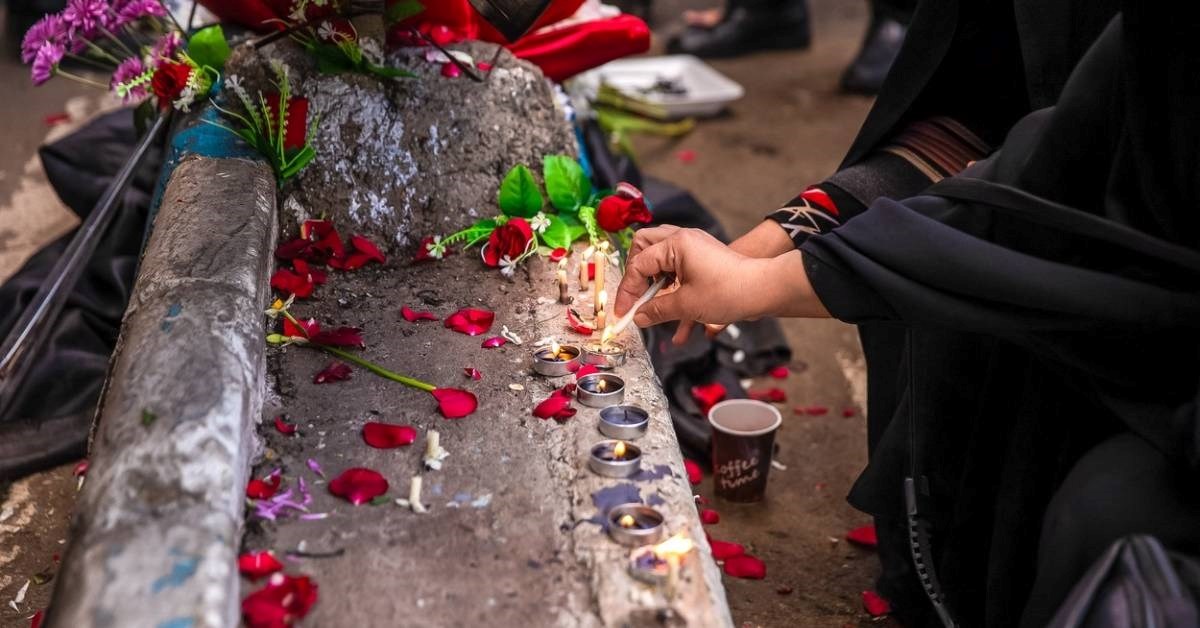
(707, 92)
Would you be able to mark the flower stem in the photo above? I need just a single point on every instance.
(175, 22)
(118, 42)
(79, 79)
(375, 368)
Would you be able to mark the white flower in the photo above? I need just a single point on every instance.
(435, 248)
(325, 31)
(508, 267)
(540, 223)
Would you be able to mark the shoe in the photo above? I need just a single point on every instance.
(880, 47)
(748, 27)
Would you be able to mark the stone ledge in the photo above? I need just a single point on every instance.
(155, 533)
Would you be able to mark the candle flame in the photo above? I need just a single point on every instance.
(602, 385)
(619, 450)
(562, 264)
(606, 336)
(555, 348)
(602, 298)
(675, 547)
(626, 521)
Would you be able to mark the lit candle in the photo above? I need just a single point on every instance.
(583, 268)
(602, 299)
(562, 283)
(601, 265)
(627, 521)
(619, 450)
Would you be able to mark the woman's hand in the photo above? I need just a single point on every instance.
(714, 284)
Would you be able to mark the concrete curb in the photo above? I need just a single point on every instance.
(155, 533)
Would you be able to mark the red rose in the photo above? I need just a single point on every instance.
(510, 239)
(169, 81)
(624, 208)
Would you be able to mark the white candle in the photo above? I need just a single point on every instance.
(601, 301)
(583, 268)
(601, 266)
(562, 283)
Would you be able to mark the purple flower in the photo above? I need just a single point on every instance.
(48, 29)
(134, 10)
(46, 61)
(165, 48)
(85, 17)
(130, 80)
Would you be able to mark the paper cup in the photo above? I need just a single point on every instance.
(742, 444)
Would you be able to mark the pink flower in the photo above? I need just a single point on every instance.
(85, 17)
(135, 10)
(46, 62)
(49, 29)
(165, 48)
(129, 81)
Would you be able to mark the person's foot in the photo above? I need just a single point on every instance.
(880, 47)
(747, 27)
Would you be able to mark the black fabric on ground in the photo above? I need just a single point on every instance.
(56, 404)
(760, 345)
(1029, 332)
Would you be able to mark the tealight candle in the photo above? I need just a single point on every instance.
(635, 524)
(660, 564)
(624, 422)
(600, 390)
(604, 355)
(556, 360)
(615, 459)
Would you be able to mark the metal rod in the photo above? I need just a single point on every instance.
(21, 345)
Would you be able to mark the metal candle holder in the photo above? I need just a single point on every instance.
(603, 356)
(600, 390)
(547, 362)
(605, 461)
(624, 422)
(635, 524)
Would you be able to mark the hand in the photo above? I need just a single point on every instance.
(714, 284)
(766, 240)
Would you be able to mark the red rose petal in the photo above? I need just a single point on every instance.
(770, 395)
(255, 565)
(558, 254)
(81, 468)
(288, 282)
(567, 391)
(494, 343)
(263, 489)
(708, 395)
(36, 620)
(358, 485)
(875, 605)
(746, 566)
(340, 337)
(292, 249)
(483, 66)
(388, 435)
(473, 373)
(848, 412)
(470, 321)
(455, 403)
(413, 316)
(450, 70)
(694, 472)
(552, 406)
(577, 325)
(335, 372)
(812, 410)
(780, 372)
(283, 427)
(863, 537)
(368, 248)
(586, 370)
(284, 600)
(708, 516)
(724, 550)
(306, 328)
(686, 156)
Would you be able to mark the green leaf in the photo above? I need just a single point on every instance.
(403, 10)
(566, 184)
(563, 230)
(148, 417)
(587, 215)
(208, 47)
(519, 193)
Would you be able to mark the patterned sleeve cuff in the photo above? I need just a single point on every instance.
(811, 213)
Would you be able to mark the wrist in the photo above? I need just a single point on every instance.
(789, 293)
(765, 241)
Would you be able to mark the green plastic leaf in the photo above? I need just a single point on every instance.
(208, 47)
(519, 193)
(563, 230)
(403, 10)
(587, 215)
(566, 184)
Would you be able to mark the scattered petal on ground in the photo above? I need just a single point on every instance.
(283, 427)
(282, 602)
(473, 373)
(875, 605)
(770, 395)
(708, 516)
(340, 337)
(780, 372)
(694, 472)
(863, 537)
(358, 485)
(263, 489)
(334, 372)
(471, 321)
(413, 316)
(812, 410)
(724, 550)
(455, 403)
(848, 412)
(255, 565)
(746, 566)
(494, 342)
(577, 325)
(586, 370)
(388, 435)
(708, 395)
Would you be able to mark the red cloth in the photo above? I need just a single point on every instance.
(561, 53)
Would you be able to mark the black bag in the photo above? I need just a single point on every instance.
(1137, 583)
